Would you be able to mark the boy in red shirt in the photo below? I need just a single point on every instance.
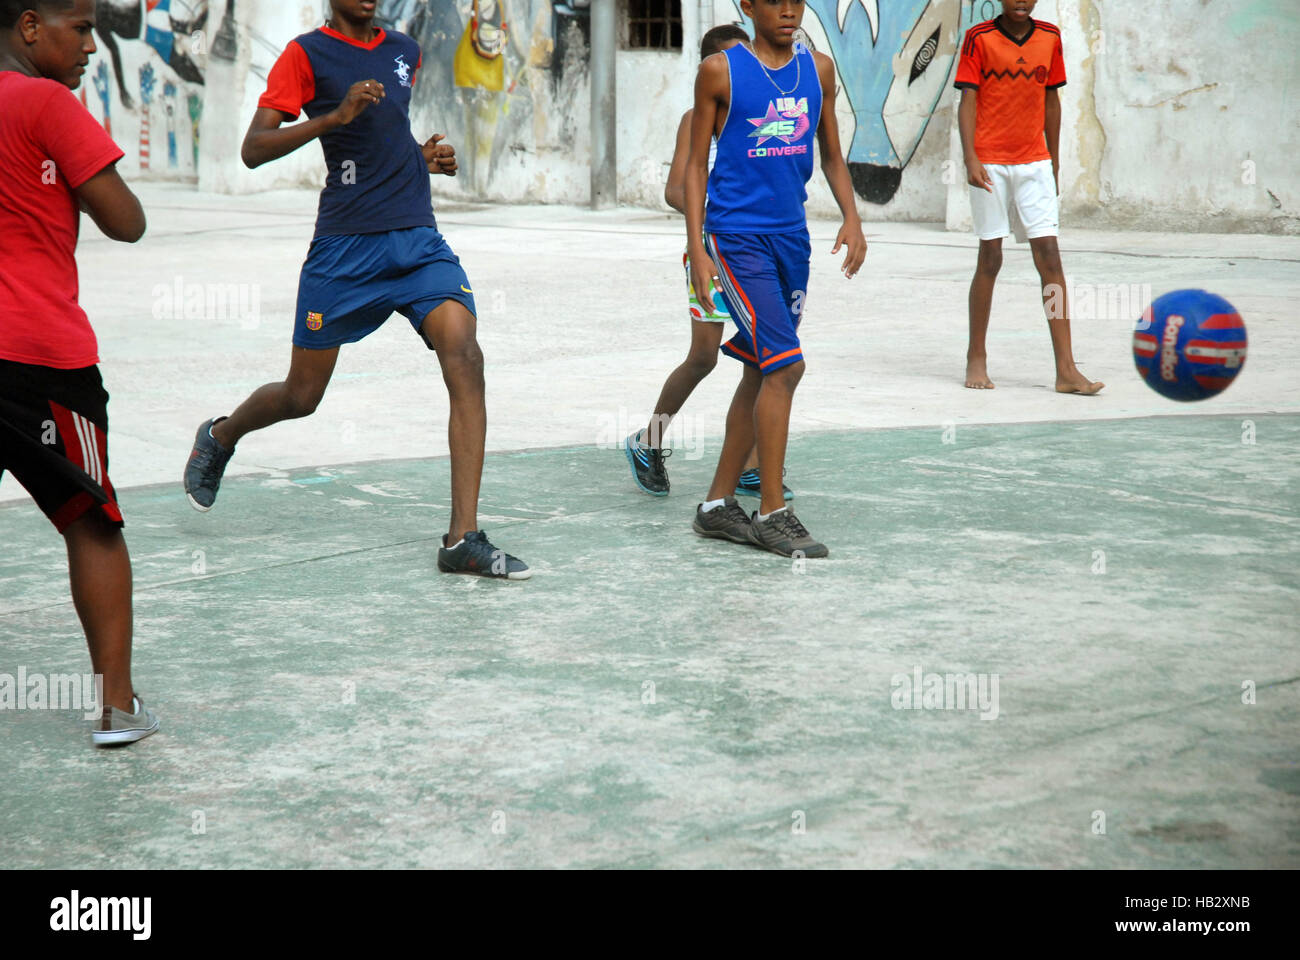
(1010, 71)
(53, 408)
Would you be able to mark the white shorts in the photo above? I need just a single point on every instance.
(1024, 189)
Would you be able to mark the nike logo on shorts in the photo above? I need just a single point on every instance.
(466, 289)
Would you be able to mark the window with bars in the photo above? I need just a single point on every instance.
(654, 25)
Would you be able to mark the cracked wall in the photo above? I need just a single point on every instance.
(1178, 115)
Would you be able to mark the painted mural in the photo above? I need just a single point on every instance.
(895, 60)
(497, 75)
(145, 82)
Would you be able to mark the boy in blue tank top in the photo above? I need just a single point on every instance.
(377, 250)
(644, 449)
(765, 106)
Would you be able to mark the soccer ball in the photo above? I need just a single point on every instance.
(1190, 345)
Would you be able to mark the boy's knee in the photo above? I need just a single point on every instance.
(302, 402)
(990, 261)
(702, 364)
(92, 527)
(787, 377)
(1049, 264)
(467, 354)
(1047, 253)
(462, 360)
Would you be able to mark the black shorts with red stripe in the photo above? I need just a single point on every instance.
(54, 440)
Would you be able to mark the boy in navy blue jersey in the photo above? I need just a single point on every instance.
(376, 251)
(764, 106)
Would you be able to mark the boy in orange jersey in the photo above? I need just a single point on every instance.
(1010, 72)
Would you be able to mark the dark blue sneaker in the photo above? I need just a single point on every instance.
(748, 486)
(647, 465)
(476, 555)
(206, 465)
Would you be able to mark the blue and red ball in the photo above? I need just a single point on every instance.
(1190, 345)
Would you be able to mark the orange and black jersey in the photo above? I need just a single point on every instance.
(1011, 79)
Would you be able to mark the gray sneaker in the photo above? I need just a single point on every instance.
(205, 467)
(116, 728)
(727, 522)
(782, 533)
(475, 554)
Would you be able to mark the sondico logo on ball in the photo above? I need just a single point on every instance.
(1169, 348)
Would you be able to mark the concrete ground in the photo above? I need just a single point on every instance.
(1124, 565)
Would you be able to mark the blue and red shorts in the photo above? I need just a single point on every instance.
(351, 284)
(765, 280)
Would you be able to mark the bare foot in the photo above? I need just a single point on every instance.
(977, 374)
(1076, 382)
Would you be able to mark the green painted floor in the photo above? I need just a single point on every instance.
(654, 699)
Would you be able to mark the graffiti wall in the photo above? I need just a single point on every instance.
(145, 83)
(507, 81)
(894, 60)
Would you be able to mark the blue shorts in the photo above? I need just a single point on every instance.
(351, 284)
(765, 280)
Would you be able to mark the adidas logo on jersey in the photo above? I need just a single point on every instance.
(1021, 60)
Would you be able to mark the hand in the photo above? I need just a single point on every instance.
(360, 96)
(440, 157)
(704, 278)
(977, 176)
(850, 236)
(1056, 176)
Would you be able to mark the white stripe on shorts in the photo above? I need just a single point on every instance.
(739, 311)
(88, 461)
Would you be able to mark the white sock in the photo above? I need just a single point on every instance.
(456, 544)
(764, 516)
(708, 505)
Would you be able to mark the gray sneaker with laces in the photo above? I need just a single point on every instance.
(782, 533)
(727, 522)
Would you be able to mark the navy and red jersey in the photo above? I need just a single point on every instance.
(377, 176)
(1011, 78)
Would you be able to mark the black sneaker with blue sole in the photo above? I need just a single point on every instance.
(647, 466)
(748, 486)
(205, 467)
(476, 555)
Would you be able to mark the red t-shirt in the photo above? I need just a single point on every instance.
(49, 145)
